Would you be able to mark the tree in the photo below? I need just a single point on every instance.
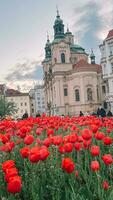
(7, 107)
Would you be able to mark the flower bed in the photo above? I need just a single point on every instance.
(54, 158)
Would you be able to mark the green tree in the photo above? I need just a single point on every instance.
(7, 107)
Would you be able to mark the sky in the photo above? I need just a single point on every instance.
(23, 32)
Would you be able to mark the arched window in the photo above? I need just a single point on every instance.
(55, 60)
(89, 94)
(97, 93)
(62, 57)
(104, 89)
(77, 95)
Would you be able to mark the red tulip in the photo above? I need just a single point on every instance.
(105, 185)
(107, 159)
(95, 150)
(14, 184)
(86, 134)
(95, 165)
(29, 139)
(68, 165)
(107, 140)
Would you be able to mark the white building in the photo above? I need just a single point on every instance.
(71, 83)
(106, 49)
(21, 100)
(39, 99)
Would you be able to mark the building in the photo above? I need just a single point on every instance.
(106, 49)
(21, 100)
(39, 99)
(71, 84)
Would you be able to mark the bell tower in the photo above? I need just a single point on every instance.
(58, 27)
(48, 48)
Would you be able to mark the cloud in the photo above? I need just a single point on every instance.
(25, 74)
(91, 23)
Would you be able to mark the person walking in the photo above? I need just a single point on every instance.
(102, 112)
(81, 113)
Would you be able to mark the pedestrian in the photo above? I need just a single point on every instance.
(98, 112)
(109, 114)
(25, 115)
(38, 114)
(81, 113)
(102, 112)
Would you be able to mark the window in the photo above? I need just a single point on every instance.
(110, 50)
(89, 94)
(62, 57)
(77, 95)
(65, 92)
(38, 102)
(55, 60)
(21, 104)
(97, 93)
(25, 104)
(103, 89)
(112, 67)
(38, 98)
(32, 110)
(104, 69)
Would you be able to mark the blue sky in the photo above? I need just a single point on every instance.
(23, 28)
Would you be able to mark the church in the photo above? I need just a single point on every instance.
(71, 83)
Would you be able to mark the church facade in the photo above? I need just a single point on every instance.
(71, 83)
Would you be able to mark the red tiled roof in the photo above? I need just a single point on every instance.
(83, 65)
(12, 92)
(110, 34)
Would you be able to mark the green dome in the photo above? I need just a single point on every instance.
(58, 20)
(57, 40)
(77, 49)
(58, 27)
(68, 32)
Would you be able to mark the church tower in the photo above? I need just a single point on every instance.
(92, 57)
(48, 48)
(58, 27)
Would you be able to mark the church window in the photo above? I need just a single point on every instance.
(112, 67)
(97, 93)
(65, 92)
(59, 29)
(62, 57)
(77, 95)
(103, 89)
(55, 60)
(89, 94)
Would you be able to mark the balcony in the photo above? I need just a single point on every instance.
(111, 57)
(105, 76)
(103, 59)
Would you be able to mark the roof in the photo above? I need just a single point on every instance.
(110, 34)
(77, 49)
(83, 65)
(12, 93)
(57, 40)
